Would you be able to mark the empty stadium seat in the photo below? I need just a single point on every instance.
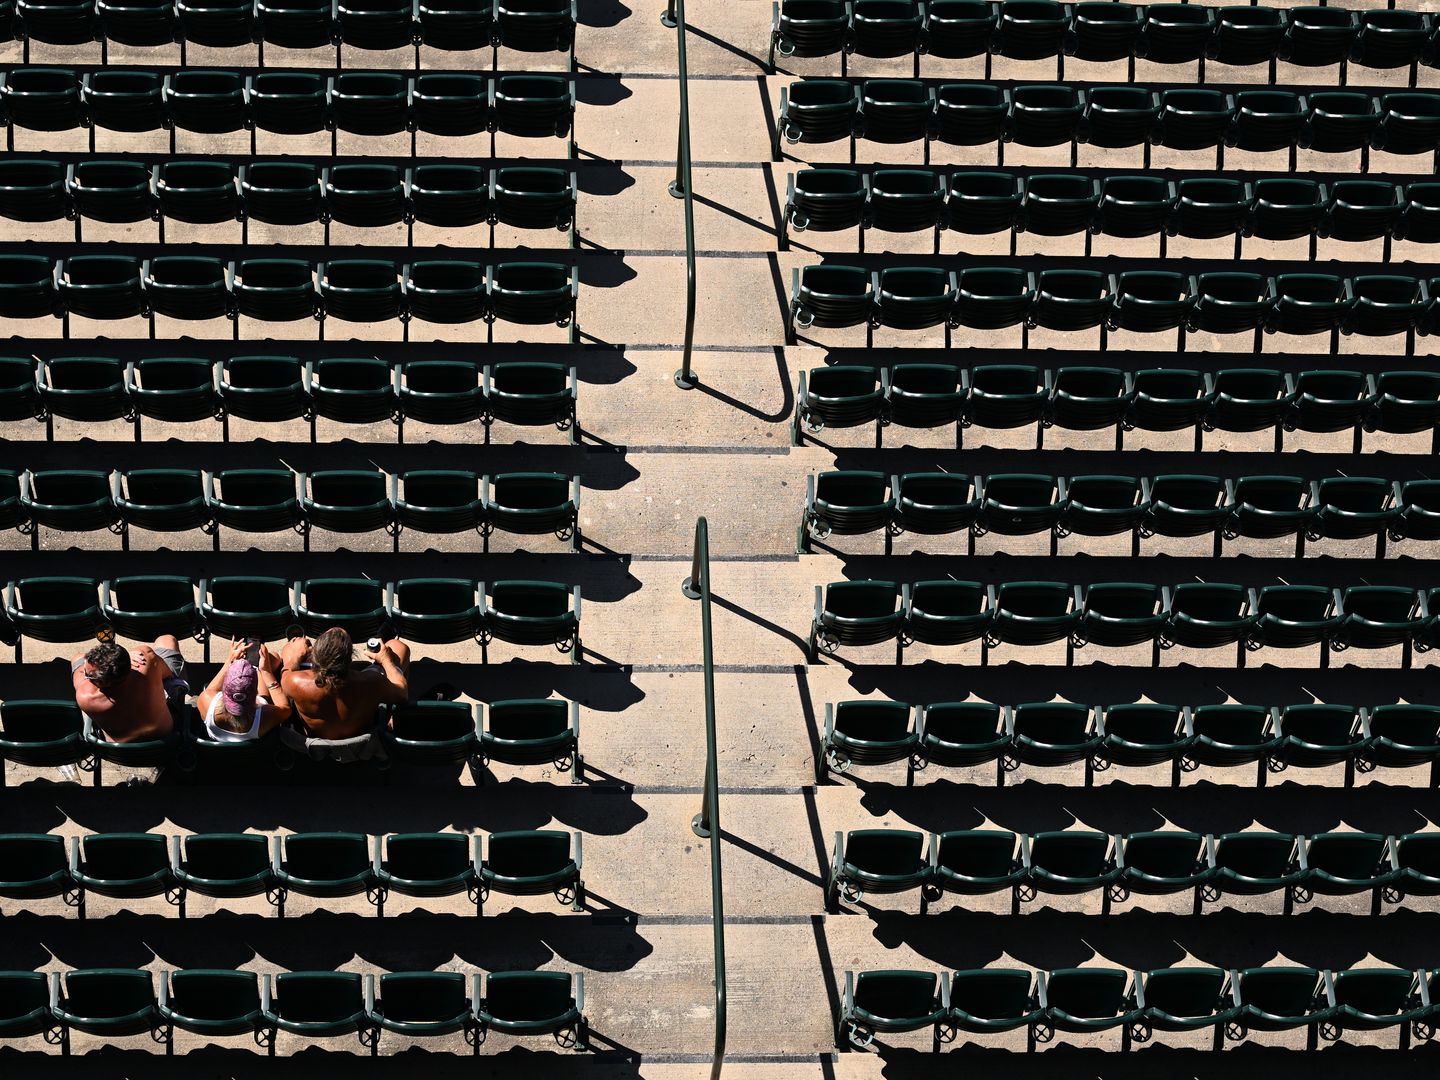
(533, 613)
(879, 861)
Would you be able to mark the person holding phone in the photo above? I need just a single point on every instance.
(335, 697)
(244, 700)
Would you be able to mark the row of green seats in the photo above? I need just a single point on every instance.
(981, 201)
(523, 25)
(1162, 33)
(323, 865)
(970, 734)
(829, 295)
(192, 288)
(976, 862)
(891, 111)
(1195, 615)
(113, 1003)
(429, 610)
(1088, 1000)
(853, 502)
(1085, 397)
(271, 389)
(274, 500)
(45, 733)
(280, 192)
(286, 102)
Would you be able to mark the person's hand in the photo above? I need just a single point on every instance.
(237, 649)
(269, 661)
(374, 657)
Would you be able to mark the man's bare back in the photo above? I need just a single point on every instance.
(128, 705)
(344, 707)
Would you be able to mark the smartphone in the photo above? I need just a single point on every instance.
(252, 651)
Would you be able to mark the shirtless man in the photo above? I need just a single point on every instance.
(334, 697)
(123, 691)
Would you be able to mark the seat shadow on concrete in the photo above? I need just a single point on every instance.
(602, 12)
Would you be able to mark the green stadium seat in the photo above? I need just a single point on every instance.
(1031, 613)
(350, 390)
(532, 863)
(1030, 29)
(926, 395)
(962, 733)
(1117, 116)
(1184, 999)
(125, 866)
(1269, 507)
(1286, 209)
(315, 1004)
(274, 290)
(914, 297)
(809, 28)
(1248, 399)
(893, 111)
(1379, 617)
(1162, 863)
(113, 191)
(885, 27)
(1280, 999)
(1363, 210)
(359, 291)
(945, 612)
(1246, 36)
(1316, 36)
(1315, 736)
(1102, 506)
(535, 1003)
(375, 24)
(357, 605)
(294, 24)
(426, 864)
(86, 388)
(55, 22)
(1006, 396)
(1228, 303)
(321, 864)
(222, 865)
(450, 104)
(144, 607)
(215, 22)
(856, 614)
(1018, 504)
(451, 195)
(1043, 115)
(209, 102)
(1347, 864)
(906, 200)
(1103, 31)
(533, 613)
(1081, 398)
(1117, 614)
(537, 25)
(1134, 206)
(12, 514)
(432, 733)
(1417, 857)
(444, 292)
(123, 100)
(67, 500)
(887, 1002)
(42, 99)
(1329, 400)
(864, 733)
(981, 203)
(533, 293)
(152, 753)
(1306, 304)
(1255, 863)
(1409, 123)
(955, 29)
(837, 397)
(1296, 616)
(1053, 733)
(53, 609)
(35, 866)
(253, 500)
(288, 102)
(1070, 300)
(932, 504)
(1175, 33)
(456, 25)
(433, 610)
(1420, 220)
(878, 861)
(993, 297)
(28, 287)
(823, 200)
(1340, 121)
(1209, 207)
(187, 288)
(19, 399)
(40, 733)
(532, 393)
(995, 999)
(210, 1002)
(1168, 399)
(422, 1003)
(533, 198)
(1185, 505)
(1086, 1000)
(345, 500)
(1193, 118)
(24, 1004)
(106, 1002)
(236, 607)
(1383, 305)
(1390, 39)
(281, 193)
(1230, 735)
(831, 296)
(1266, 120)
(534, 731)
(1208, 615)
(368, 102)
(845, 503)
(369, 195)
(1400, 736)
(1057, 204)
(437, 501)
(173, 389)
(974, 863)
(1372, 999)
(533, 106)
(439, 391)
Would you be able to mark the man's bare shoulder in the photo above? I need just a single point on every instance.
(91, 700)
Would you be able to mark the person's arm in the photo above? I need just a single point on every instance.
(396, 690)
(214, 686)
(276, 710)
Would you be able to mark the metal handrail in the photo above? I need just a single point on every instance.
(682, 189)
(707, 822)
